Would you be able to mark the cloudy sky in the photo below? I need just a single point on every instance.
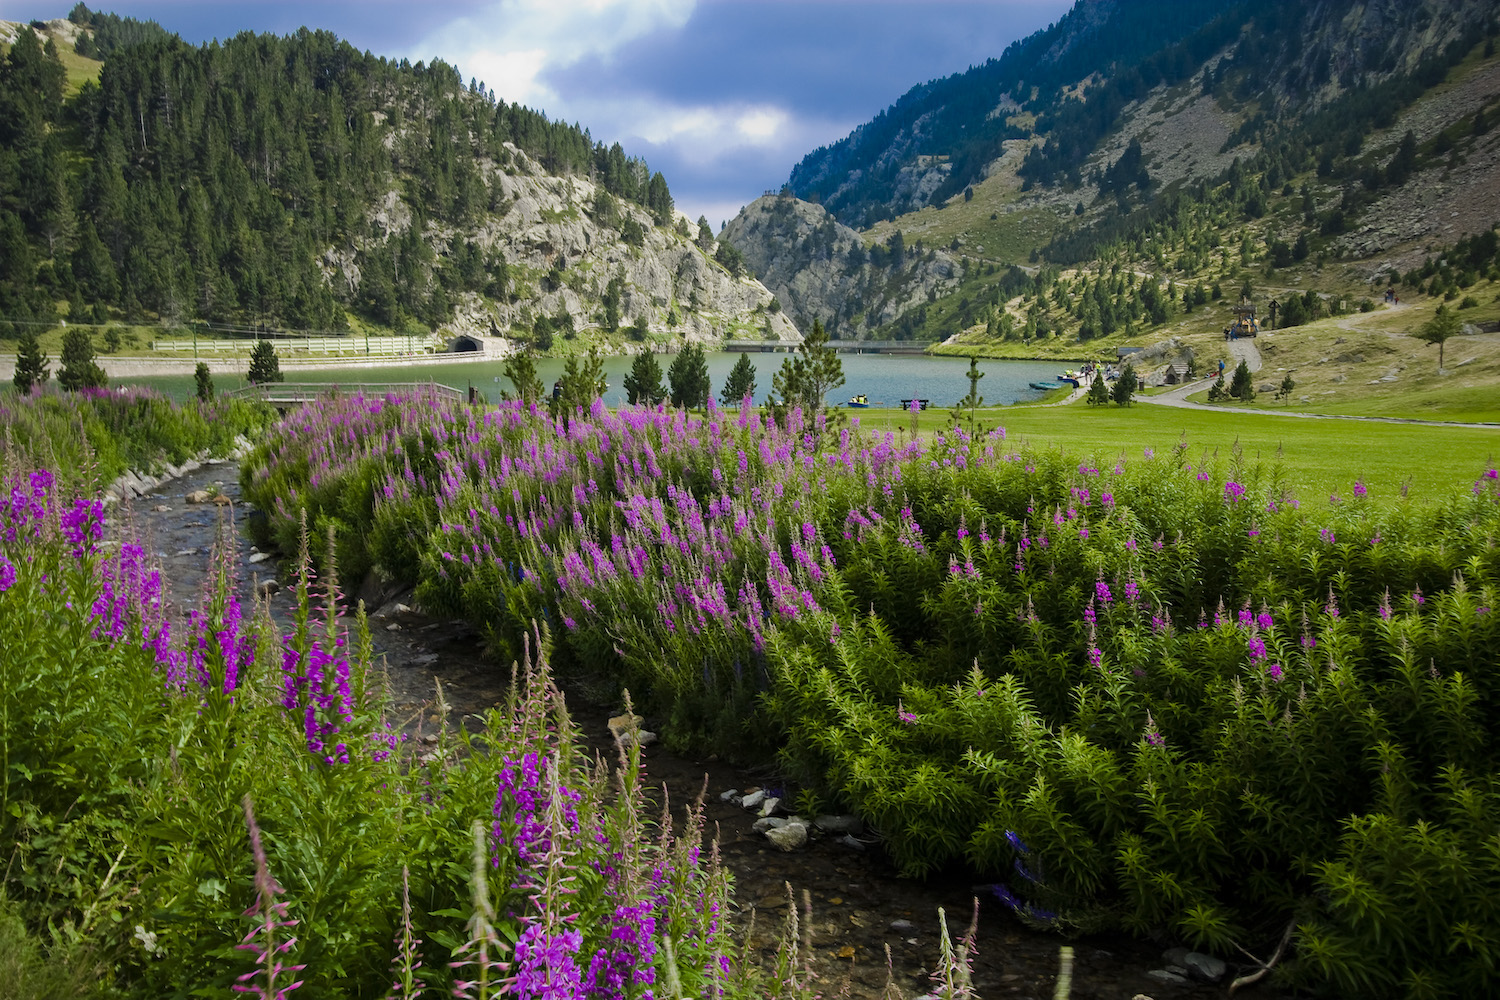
(722, 96)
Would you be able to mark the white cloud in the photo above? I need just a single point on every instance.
(512, 44)
(710, 129)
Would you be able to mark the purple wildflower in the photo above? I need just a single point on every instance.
(521, 801)
(1153, 734)
(83, 524)
(544, 966)
(626, 961)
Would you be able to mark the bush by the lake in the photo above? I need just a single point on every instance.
(99, 433)
(1159, 693)
(203, 804)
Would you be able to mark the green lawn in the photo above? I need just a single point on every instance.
(1318, 457)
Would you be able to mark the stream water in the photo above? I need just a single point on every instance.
(885, 379)
(859, 904)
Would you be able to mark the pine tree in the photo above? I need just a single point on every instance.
(1444, 324)
(643, 383)
(580, 385)
(1098, 391)
(973, 400)
(79, 370)
(688, 378)
(806, 378)
(741, 382)
(265, 366)
(31, 363)
(612, 295)
(204, 381)
(1125, 386)
(1241, 386)
(520, 368)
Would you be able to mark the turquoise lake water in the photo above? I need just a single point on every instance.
(885, 379)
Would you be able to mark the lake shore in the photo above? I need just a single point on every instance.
(137, 367)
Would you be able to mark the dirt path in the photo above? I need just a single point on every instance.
(859, 904)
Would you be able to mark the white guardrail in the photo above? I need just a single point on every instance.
(342, 346)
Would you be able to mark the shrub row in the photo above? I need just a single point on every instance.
(1160, 694)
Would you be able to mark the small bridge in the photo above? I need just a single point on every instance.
(286, 394)
(842, 346)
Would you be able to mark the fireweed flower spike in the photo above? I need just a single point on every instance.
(83, 524)
(263, 940)
(1152, 734)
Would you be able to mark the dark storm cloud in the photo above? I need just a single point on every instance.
(829, 60)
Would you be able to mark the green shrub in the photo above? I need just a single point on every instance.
(93, 436)
(1155, 696)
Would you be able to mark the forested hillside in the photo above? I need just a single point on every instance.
(289, 182)
(1142, 161)
(964, 118)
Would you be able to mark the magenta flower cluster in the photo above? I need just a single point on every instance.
(521, 799)
(315, 686)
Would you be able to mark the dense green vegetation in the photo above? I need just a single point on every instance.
(90, 437)
(1162, 694)
(209, 182)
(210, 805)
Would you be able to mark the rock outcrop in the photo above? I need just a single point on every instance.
(820, 269)
(564, 241)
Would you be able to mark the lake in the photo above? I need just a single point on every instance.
(885, 379)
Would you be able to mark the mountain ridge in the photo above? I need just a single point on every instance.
(1272, 151)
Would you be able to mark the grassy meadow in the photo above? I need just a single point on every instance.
(1317, 457)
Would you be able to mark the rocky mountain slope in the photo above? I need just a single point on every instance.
(564, 242)
(820, 269)
(1292, 146)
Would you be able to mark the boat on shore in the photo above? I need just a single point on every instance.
(1046, 385)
